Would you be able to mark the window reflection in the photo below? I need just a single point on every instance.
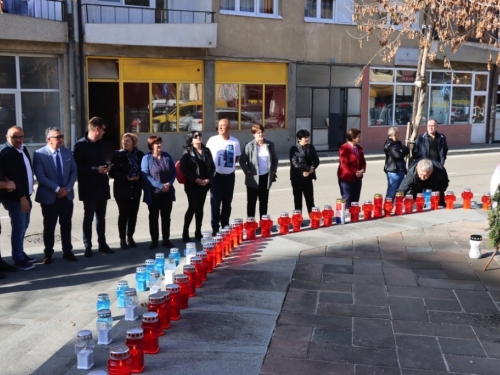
(478, 114)
(7, 114)
(7, 72)
(440, 103)
(40, 110)
(275, 106)
(163, 103)
(136, 99)
(460, 106)
(39, 72)
(381, 75)
(381, 101)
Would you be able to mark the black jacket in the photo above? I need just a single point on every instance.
(301, 160)
(437, 181)
(395, 154)
(89, 156)
(122, 187)
(421, 149)
(12, 164)
(190, 167)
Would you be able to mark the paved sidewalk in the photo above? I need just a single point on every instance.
(368, 298)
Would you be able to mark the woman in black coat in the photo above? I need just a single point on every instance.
(198, 166)
(395, 164)
(126, 170)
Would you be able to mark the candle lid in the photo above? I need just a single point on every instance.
(435, 193)
(122, 283)
(207, 233)
(150, 262)
(190, 245)
(467, 190)
(388, 199)
(487, 194)
(130, 292)
(266, 217)
(174, 250)
(377, 196)
(449, 192)
(315, 209)
(196, 260)
(234, 225)
(297, 212)
(217, 239)
(150, 317)
(119, 352)
(225, 232)
(97, 372)
(160, 256)
(140, 269)
(340, 200)
(356, 204)
(189, 268)
(328, 207)
(420, 195)
(399, 193)
(208, 246)
(103, 297)
(180, 279)
(154, 274)
(104, 313)
(84, 334)
(201, 254)
(284, 214)
(172, 288)
(238, 221)
(220, 234)
(368, 202)
(156, 298)
(251, 219)
(135, 333)
(409, 196)
(476, 237)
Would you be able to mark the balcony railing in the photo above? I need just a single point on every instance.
(54, 10)
(105, 14)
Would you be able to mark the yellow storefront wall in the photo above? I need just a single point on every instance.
(251, 72)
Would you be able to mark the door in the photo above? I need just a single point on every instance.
(478, 119)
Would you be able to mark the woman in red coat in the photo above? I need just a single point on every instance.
(352, 166)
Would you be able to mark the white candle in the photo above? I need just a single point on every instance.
(131, 312)
(85, 359)
(169, 276)
(104, 336)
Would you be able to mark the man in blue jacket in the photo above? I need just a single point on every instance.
(431, 145)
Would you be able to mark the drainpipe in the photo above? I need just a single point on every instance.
(492, 95)
(71, 68)
(81, 61)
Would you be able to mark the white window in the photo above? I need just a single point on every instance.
(333, 11)
(258, 8)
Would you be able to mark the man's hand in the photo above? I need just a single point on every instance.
(305, 174)
(11, 186)
(104, 169)
(25, 205)
(165, 187)
(62, 192)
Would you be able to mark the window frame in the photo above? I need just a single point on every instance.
(318, 18)
(237, 12)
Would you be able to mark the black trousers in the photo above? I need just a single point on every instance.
(97, 208)
(262, 193)
(196, 196)
(350, 191)
(61, 209)
(304, 187)
(161, 205)
(127, 216)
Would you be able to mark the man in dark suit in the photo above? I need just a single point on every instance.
(15, 162)
(55, 170)
(93, 184)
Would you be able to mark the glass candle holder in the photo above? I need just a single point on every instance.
(190, 271)
(84, 350)
(340, 211)
(150, 267)
(206, 237)
(190, 251)
(234, 234)
(408, 203)
(160, 263)
(434, 200)
(467, 196)
(367, 208)
(387, 207)
(131, 304)
(378, 202)
(120, 292)
(169, 270)
(140, 279)
(119, 362)
(354, 210)
(449, 198)
(135, 344)
(104, 324)
(315, 216)
(156, 305)
(328, 214)
(103, 301)
(173, 293)
(251, 228)
(228, 243)
(420, 202)
(486, 199)
(240, 228)
(154, 282)
(203, 256)
(198, 264)
(175, 254)
(219, 246)
(297, 220)
(398, 203)
(182, 281)
(284, 223)
(427, 197)
(151, 327)
(266, 225)
(211, 258)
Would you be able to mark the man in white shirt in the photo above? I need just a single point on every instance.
(226, 152)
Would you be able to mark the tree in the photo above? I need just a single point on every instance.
(447, 23)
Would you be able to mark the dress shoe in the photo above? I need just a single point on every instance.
(106, 249)
(131, 242)
(6, 267)
(167, 244)
(70, 256)
(154, 245)
(123, 245)
(198, 236)
(186, 238)
(47, 260)
(29, 259)
(88, 252)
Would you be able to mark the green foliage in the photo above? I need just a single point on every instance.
(494, 219)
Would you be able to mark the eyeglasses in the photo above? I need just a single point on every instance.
(197, 135)
(16, 136)
(103, 128)
(58, 137)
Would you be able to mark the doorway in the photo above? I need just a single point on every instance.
(104, 102)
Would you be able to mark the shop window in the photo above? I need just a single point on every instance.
(460, 105)
(40, 110)
(338, 11)
(303, 104)
(7, 72)
(136, 100)
(261, 8)
(439, 103)
(39, 73)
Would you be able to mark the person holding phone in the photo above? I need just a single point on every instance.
(93, 184)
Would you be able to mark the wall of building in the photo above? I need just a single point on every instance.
(32, 29)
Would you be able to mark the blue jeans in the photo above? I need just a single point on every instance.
(394, 179)
(19, 222)
(221, 192)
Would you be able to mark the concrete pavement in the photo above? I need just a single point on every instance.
(391, 296)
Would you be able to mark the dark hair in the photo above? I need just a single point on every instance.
(153, 140)
(96, 122)
(256, 128)
(352, 133)
(189, 138)
(303, 133)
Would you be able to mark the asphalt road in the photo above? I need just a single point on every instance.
(471, 170)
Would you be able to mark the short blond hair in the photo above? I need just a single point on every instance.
(133, 137)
